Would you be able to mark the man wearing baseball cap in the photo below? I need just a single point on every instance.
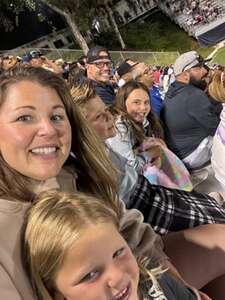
(99, 71)
(190, 118)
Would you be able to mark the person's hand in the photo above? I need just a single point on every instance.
(200, 295)
(150, 142)
(155, 154)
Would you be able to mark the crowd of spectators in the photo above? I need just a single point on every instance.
(192, 13)
(150, 127)
(163, 82)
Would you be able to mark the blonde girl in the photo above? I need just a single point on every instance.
(73, 250)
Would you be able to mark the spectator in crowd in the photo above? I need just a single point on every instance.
(157, 74)
(77, 74)
(82, 61)
(188, 114)
(130, 70)
(217, 91)
(124, 71)
(99, 70)
(147, 78)
(7, 62)
(68, 226)
(36, 58)
(134, 121)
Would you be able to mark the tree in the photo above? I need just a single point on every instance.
(10, 11)
(114, 24)
(86, 10)
(69, 10)
(77, 14)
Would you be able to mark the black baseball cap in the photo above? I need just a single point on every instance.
(94, 54)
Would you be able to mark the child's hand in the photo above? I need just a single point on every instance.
(155, 154)
(150, 142)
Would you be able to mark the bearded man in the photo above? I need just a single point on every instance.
(190, 118)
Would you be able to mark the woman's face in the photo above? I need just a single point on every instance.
(35, 135)
(99, 117)
(138, 105)
(100, 266)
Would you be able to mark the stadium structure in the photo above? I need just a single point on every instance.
(202, 19)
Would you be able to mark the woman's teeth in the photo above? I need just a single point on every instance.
(44, 150)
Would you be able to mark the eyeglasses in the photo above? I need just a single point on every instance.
(100, 65)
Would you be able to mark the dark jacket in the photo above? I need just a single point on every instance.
(105, 91)
(188, 116)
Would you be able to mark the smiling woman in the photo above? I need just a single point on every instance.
(35, 136)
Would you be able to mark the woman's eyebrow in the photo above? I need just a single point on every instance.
(33, 108)
(25, 106)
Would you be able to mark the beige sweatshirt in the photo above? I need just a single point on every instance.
(14, 284)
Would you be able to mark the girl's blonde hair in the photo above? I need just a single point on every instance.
(94, 168)
(155, 127)
(216, 87)
(82, 94)
(53, 224)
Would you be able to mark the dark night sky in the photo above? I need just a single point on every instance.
(29, 28)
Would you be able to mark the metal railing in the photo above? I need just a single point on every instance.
(70, 55)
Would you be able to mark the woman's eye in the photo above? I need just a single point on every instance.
(119, 253)
(90, 276)
(57, 118)
(24, 118)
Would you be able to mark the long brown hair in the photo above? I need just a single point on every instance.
(89, 158)
(155, 127)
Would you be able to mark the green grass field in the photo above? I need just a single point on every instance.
(219, 57)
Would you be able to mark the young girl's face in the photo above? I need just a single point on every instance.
(100, 266)
(99, 117)
(138, 105)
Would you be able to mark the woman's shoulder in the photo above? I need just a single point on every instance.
(14, 284)
(10, 207)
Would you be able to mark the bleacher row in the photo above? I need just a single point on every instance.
(191, 15)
